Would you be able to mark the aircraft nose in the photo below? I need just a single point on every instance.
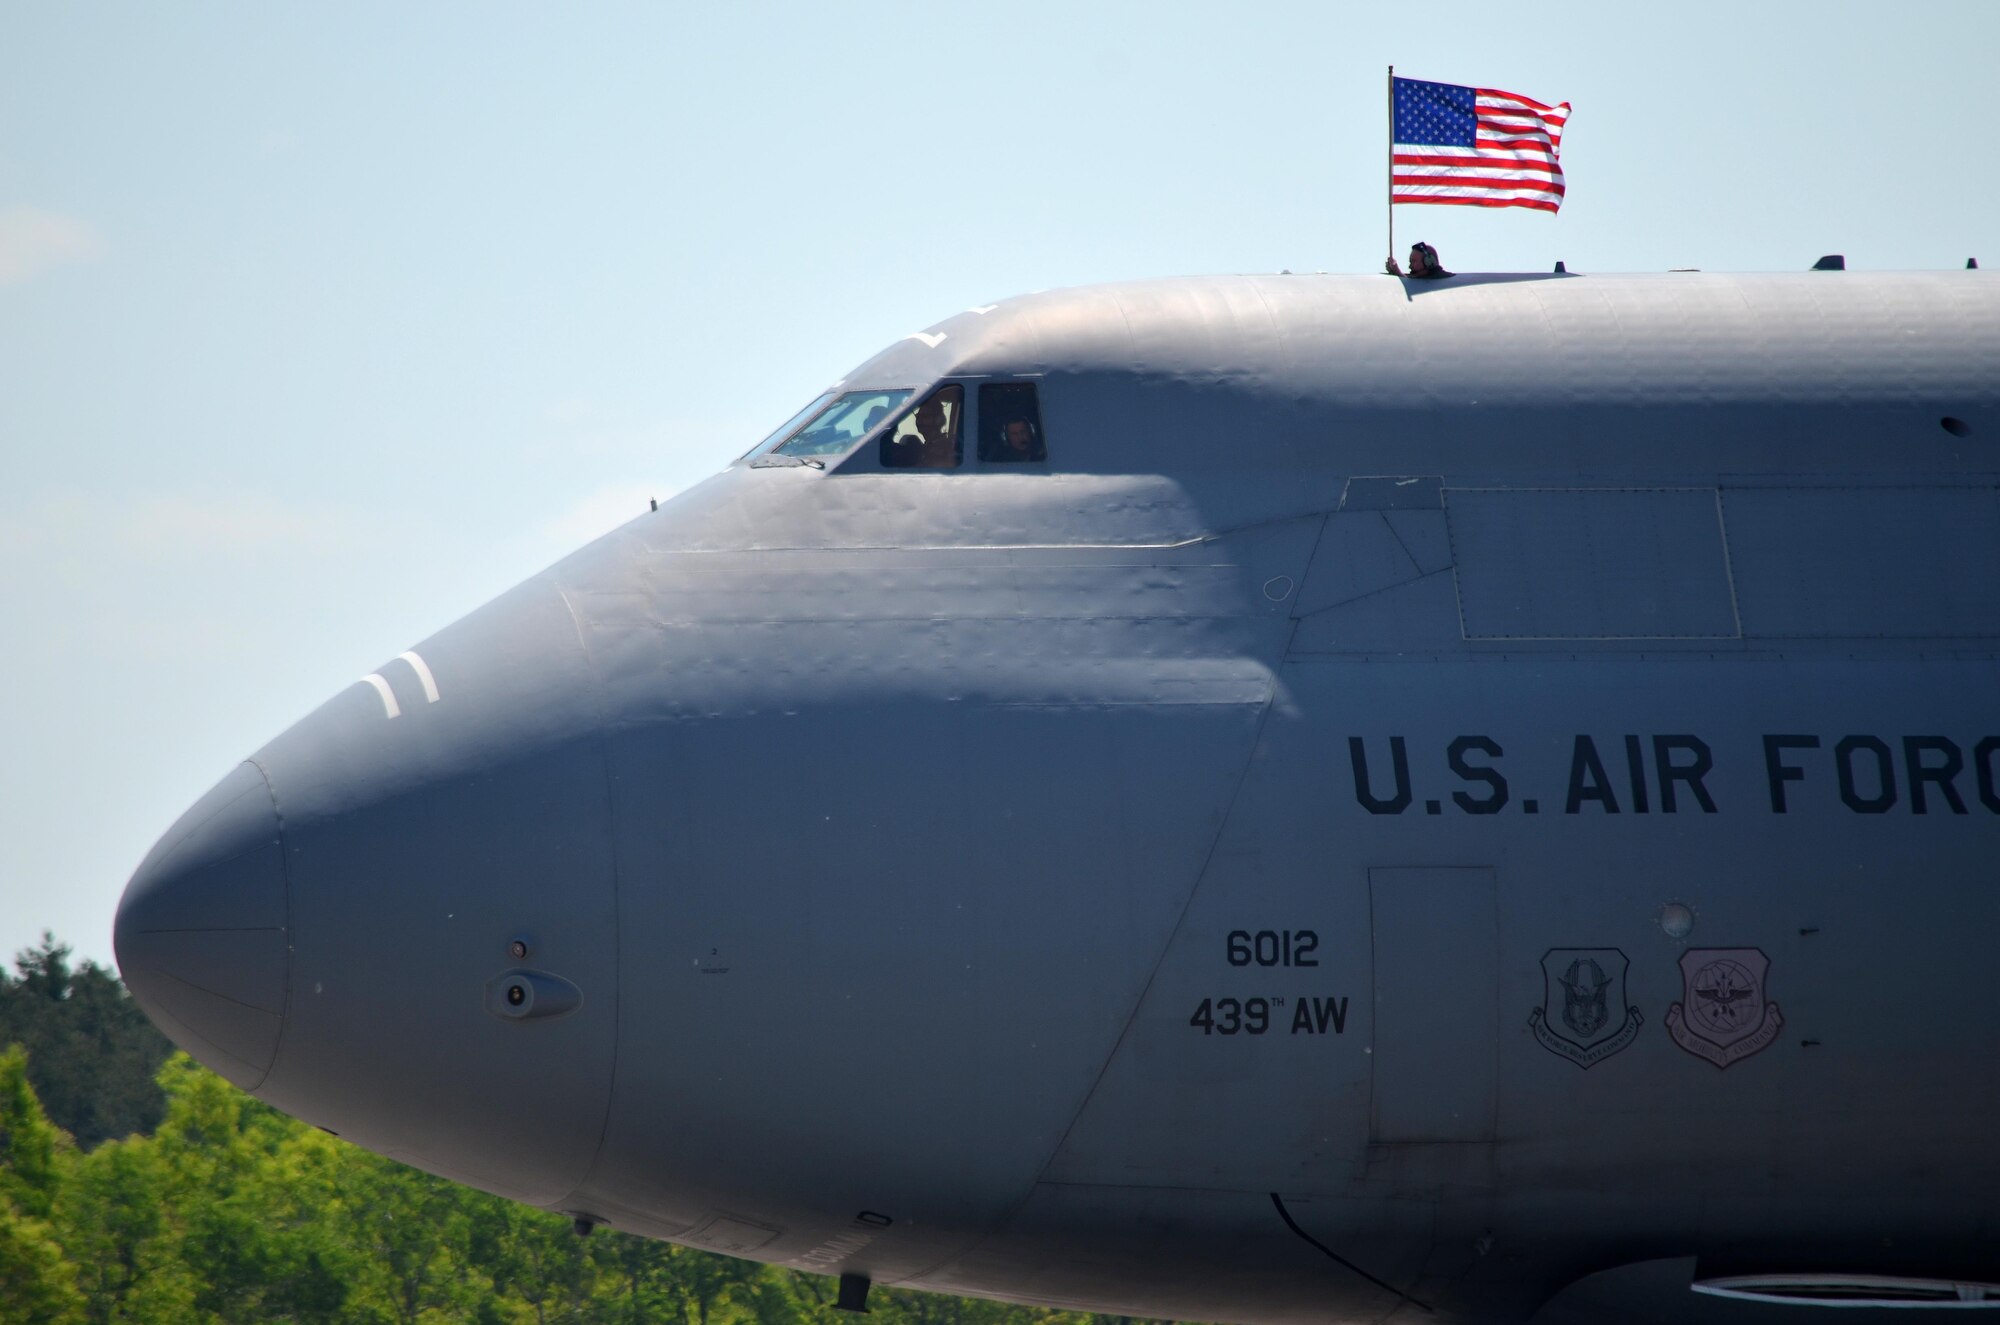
(201, 931)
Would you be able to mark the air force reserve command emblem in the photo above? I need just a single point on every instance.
(1722, 1015)
(1584, 1015)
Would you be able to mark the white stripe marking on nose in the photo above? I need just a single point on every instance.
(389, 706)
(423, 671)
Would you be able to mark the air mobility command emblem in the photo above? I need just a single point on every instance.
(1584, 1015)
(1722, 1015)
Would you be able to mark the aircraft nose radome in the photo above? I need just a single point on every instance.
(201, 931)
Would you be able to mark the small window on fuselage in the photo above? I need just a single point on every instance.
(1010, 424)
(928, 436)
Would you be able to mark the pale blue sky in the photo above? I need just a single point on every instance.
(321, 325)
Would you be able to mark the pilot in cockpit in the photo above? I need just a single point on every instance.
(934, 449)
(927, 437)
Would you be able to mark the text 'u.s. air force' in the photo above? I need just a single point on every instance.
(1682, 773)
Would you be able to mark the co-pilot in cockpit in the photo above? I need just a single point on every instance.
(1010, 424)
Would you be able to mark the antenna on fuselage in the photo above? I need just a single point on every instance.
(853, 1294)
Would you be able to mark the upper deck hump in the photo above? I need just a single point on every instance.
(1820, 337)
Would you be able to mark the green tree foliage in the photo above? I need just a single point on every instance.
(37, 1282)
(29, 1142)
(231, 1213)
(91, 1052)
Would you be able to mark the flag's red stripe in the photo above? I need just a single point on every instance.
(1510, 113)
(1516, 96)
(1412, 188)
(1481, 185)
(1495, 106)
(1495, 162)
(1535, 203)
(1483, 152)
(1455, 191)
(1496, 181)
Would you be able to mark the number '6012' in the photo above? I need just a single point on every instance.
(1273, 947)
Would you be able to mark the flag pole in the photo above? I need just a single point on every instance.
(1392, 161)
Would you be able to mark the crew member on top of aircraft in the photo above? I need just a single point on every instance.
(1424, 264)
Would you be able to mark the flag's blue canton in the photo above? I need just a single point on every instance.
(1435, 114)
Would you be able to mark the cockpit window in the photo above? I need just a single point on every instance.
(835, 428)
(1010, 424)
(927, 437)
(786, 428)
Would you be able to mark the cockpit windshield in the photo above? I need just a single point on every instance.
(835, 428)
(786, 428)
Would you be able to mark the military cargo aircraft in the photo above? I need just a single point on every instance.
(1264, 799)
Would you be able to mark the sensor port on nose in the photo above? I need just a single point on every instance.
(531, 996)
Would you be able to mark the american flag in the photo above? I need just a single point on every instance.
(1475, 147)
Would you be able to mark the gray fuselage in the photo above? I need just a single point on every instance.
(1495, 777)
